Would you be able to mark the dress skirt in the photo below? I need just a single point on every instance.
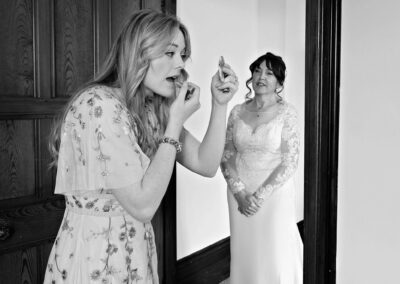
(98, 242)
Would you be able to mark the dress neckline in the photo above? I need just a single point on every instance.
(280, 104)
(255, 129)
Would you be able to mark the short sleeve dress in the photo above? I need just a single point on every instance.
(98, 241)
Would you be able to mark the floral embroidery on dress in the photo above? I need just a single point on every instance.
(93, 203)
(126, 232)
(98, 239)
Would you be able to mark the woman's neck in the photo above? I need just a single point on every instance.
(264, 101)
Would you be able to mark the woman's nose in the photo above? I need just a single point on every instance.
(263, 75)
(180, 64)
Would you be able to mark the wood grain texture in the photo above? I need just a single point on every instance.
(16, 45)
(33, 224)
(42, 258)
(209, 265)
(169, 6)
(152, 4)
(19, 267)
(120, 12)
(44, 53)
(102, 15)
(26, 108)
(74, 55)
(17, 159)
(47, 175)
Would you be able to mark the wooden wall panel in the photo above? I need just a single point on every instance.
(16, 45)
(46, 176)
(158, 226)
(43, 255)
(23, 261)
(17, 176)
(74, 56)
(120, 11)
(153, 4)
(32, 224)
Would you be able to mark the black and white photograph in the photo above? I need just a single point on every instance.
(199, 141)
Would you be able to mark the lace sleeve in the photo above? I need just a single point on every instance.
(228, 166)
(290, 144)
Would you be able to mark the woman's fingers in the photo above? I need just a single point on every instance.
(181, 90)
(252, 210)
(228, 72)
(252, 206)
(240, 209)
(193, 92)
(228, 85)
(254, 201)
(248, 205)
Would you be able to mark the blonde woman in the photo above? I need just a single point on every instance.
(115, 150)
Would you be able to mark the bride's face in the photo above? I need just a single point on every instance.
(264, 80)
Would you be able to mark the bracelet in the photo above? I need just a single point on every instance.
(178, 145)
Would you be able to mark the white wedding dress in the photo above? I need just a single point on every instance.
(266, 248)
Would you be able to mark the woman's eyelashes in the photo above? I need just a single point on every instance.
(184, 56)
(171, 54)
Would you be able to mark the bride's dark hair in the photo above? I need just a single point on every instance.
(275, 63)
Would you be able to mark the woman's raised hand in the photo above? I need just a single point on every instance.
(223, 89)
(184, 105)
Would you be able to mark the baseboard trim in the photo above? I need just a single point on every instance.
(207, 266)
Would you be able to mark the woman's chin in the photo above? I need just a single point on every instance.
(166, 94)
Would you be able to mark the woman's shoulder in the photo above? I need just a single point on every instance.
(289, 108)
(289, 113)
(97, 93)
(238, 108)
(99, 98)
(96, 103)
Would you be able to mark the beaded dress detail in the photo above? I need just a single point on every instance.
(98, 241)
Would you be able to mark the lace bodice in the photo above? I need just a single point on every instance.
(270, 147)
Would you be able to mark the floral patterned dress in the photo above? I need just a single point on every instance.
(98, 241)
(266, 248)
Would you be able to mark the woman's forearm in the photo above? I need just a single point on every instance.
(211, 148)
(144, 198)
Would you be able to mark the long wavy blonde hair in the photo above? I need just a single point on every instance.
(145, 36)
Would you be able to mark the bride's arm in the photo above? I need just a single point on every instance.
(290, 144)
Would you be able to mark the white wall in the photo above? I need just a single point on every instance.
(240, 31)
(368, 249)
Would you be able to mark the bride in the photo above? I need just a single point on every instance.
(260, 158)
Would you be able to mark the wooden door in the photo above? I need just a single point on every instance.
(48, 49)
